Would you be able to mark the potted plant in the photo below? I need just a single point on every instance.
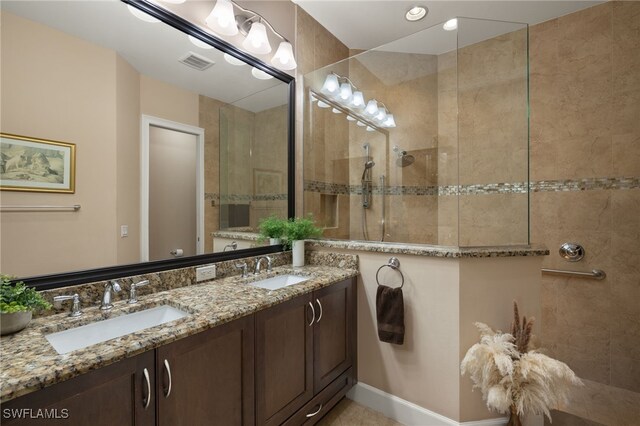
(296, 231)
(17, 301)
(272, 228)
(513, 378)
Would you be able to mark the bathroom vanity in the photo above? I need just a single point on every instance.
(244, 355)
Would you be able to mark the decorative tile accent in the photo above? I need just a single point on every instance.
(247, 198)
(489, 188)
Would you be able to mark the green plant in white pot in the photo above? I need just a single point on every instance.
(296, 231)
(272, 228)
(17, 302)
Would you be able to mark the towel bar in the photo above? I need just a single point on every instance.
(73, 208)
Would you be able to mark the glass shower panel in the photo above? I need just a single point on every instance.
(493, 135)
(451, 167)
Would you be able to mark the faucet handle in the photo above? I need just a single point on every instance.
(75, 308)
(133, 291)
(243, 266)
(269, 263)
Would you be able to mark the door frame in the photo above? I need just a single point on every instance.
(146, 122)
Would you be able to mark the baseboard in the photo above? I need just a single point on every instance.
(406, 412)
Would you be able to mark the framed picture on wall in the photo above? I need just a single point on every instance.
(267, 182)
(38, 165)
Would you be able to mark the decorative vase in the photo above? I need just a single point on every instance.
(514, 419)
(297, 252)
(274, 241)
(14, 322)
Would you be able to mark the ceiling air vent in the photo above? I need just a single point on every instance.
(196, 61)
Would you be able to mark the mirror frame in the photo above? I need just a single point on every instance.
(45, 282)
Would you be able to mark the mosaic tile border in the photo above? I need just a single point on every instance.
(490, 188)
(247, 198)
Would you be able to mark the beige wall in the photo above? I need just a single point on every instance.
(163, 100)
(585, 105)
(67, 93)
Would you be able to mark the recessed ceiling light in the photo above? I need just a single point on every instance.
(201, 44)
(451, 24)
(233, 60)
(260, 75)
(416, 13)
(142, 15)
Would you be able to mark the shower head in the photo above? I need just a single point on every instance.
(368, 165)
(405, 159)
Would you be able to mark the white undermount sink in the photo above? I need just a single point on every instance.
(101, 331)
(279, 281)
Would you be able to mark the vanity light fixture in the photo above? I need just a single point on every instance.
(340, 93)
(416, 13)
(142, 15)
(199, 43)
(233, 60)
(451, 24)
(260, 75)
(228, 19)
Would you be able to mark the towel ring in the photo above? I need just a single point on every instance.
(394, 264)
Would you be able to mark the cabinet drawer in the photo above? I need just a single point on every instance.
(323, 402)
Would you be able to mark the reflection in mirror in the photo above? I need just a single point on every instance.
(86, 73)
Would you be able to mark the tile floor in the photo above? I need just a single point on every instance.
(348, 413)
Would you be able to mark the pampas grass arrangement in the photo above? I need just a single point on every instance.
(513, 378)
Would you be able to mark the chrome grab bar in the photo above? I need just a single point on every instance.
(73, 208)
(596, 274)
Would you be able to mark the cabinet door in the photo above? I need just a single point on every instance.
(113, 395)
(334, 334)
(284, 359)
(207, 379)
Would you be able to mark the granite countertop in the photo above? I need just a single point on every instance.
(430, 250)
(30, 363)
(237, 235)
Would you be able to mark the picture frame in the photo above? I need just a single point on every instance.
(36, 165)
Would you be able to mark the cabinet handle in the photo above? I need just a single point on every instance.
(166, 367)
(313, 313)
(313, 414)
(147, 400)
(319, 306)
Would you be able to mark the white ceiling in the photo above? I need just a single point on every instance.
(367, 24)
(153, 49)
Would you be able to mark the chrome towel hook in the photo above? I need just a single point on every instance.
(394, 264)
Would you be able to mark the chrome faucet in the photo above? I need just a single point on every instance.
(243, 266)
(133, 291)
(256, 271)
(114, 286)
(75, 308)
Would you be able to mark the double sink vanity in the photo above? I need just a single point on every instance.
(268, 349)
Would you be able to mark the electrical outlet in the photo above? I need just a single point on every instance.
(205, 273)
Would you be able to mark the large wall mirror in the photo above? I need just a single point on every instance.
(174, 139)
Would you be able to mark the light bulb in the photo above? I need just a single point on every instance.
(451, 24)
(222, 18)
(143, 16)
(345, 92)
(350, 118)
(361, 124)
(372, 108)
(323, 104)
(260, 75)
(381, 115)
(257, 41)
(358, 100)
(283, 58)
(233, 60)
(201, 44)
(331, 84)
(390, 121)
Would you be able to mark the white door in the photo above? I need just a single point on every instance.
(172, 194)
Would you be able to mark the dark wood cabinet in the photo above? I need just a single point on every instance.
(207, 378)
(113, 395)
(305, 355)
(288, 364)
